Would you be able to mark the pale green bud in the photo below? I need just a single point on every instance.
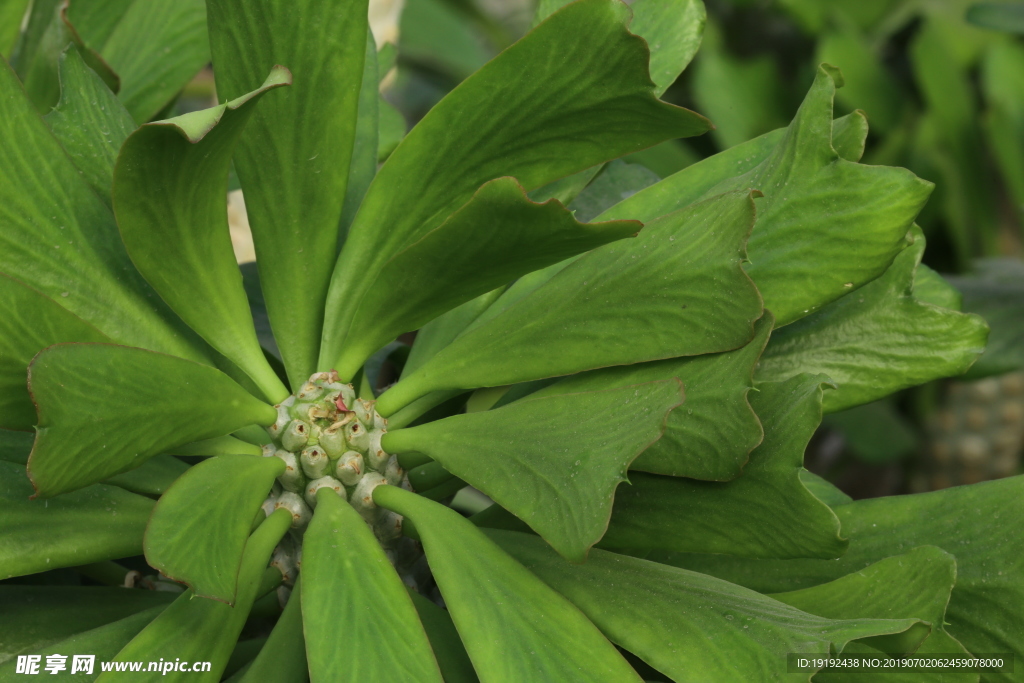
(332, 440)
(296, 435)
(393, 472)
(283, 418)
(284, 559)
(349, 469)
(323, 482)
(315, 462)
(310, 391)
(268, 450)
(388, 527)
(292, 479)
(364, 412)
(376, 458)
(268, 505)
(293, 503)
(357, 437)
(362, 497)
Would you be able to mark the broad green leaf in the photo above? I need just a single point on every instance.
(688, 625)
(823, 490)
(554, 461)
(1002, 78)
(765, 512)
(391, 130)
(978, 524)
(616, 181)
(89, 121)
(932, 288)
(678, 289)
(15, 446)
(593, 103)
(38, 616)
(29, 322)
(294, 158)
(514, 627)
(283, 658)
(199, 528)
(713, 432)
(32, 25)
(96, 523)
(95, 20)
(199, 629)
(221, 445)
(998, 297)
(104, 409)
(156, 48)
(58, 237)
(11, 13)
(354, 602)
(672, 28)
(444, 640)
(152, 477)
(363, 165)
(875, 432)
(999, 16)
(452, 264)
(876, 340)
(103, 642)
(436, 35)
(916, 584)
(850, 135)
(440, 331)
(170, 205)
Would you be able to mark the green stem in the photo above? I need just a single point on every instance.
(409, 413)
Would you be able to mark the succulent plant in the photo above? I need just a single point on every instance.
(686, 341)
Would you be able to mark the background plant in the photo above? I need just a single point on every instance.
(763, 286)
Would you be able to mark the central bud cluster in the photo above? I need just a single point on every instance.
(329, 438)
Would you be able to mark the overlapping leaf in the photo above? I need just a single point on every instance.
(200, 630)
(765, 512)
(690, 626)
(283, 657)
(678, 289)
(294, 159)
(96, 523)
(453, 263)
(709, 436)
(353, 602)
(104, 409)
(514, 627)
(555, 461)
(29, 322)
(595, 101)
(877, 339)
(199, 528)
(58, 237)
(151, 478)
(170, 206)
(977, 524)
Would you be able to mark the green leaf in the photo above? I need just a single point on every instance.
(11, 13)
(353, 601)
(363, 165)
(222, 445)
(89, 121)
(103, 642)
(709, 436)
(294, 158)
(997, 16)
(15, 446)
(440, 331)
(593, 103)
(156, 48)
(765, 512)
(677, 289)
(875, 432)
(514, 627)
(978, 524)
(95, 20)
(1002, 78)
(998, 297)
(554, 462)
(29, 322)
(103, 409)
(932, 288)
(436, 35)
(58, 237)
(170, 205)
(687, 625)
(199, 528)
(391, 131)
(152, 477)
(444, 640)
(616, 181)
(36, 617)
(451, 264)
(916, 584)
(199, 629)
(282, 659)
(876, 340)
(96, 523)
(850, 135)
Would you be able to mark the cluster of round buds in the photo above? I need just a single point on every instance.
(329, 438)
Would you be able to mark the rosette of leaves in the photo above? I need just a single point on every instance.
(687, 340)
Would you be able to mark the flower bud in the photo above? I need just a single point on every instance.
(268, 450)
(322, 482)
(268, 505)
(283, 417)
(292, 479)
(314, 462)
(349, 469)
(293, 503)
(362, 497)
(376, 458)
(310, 391)
(393, 472)
(284, 560)
(332, 440)
(296, 435)
(388, 527)
(364, 412)
(357, 437)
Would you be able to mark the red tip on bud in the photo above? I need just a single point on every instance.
(341, 404)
